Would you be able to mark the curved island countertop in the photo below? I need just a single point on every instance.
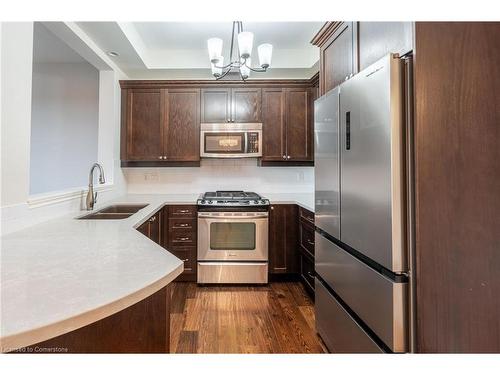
(64, 274)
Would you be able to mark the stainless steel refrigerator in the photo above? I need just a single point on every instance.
(362, 284)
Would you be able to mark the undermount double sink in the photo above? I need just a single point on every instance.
(114, 212)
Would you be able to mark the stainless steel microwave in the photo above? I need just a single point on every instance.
(231, 140)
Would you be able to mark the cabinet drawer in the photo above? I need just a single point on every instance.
(188, 256)
(306, 215)
(176, 239)
(182, 225)
(181, 211)
(307, 272)
(307, 238)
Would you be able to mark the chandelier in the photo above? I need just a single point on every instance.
(243, 61)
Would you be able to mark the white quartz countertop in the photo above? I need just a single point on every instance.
(304, 200)
(64, 274)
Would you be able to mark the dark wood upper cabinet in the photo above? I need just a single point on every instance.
(183, 125)
(338, 53)
(223, 105)
(273, 123)
(216, 105)
(246, 105)
(144, 118)
(287, 125)
(377, 39)
(299, 127)
(160, 126)
(283, 229)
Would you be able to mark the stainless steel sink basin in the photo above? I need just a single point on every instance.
(114, 212)
(122, 209)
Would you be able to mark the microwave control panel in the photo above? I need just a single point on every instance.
(253, 142)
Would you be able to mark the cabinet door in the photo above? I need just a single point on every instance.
(273, 125)
(154, 227)
(337, 57)
(182, 135)
(246, 105)
(144, 124)
(215, 105)
(283, 229)
(377, 39)
(298, 125)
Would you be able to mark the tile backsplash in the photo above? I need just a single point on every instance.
(220, 174)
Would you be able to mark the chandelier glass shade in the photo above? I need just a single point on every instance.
(242, 61)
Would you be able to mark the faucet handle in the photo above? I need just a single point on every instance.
(95, 197)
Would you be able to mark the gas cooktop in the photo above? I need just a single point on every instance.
(236, 198)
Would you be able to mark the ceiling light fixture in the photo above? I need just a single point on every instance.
(243, 62)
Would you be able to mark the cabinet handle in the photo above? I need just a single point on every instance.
(310, 275)
(182, 226)
(183, 211)
(310, 242)
(152, 219)
(185, 260)
(182, 238)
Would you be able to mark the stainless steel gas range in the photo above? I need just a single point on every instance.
(232, 238)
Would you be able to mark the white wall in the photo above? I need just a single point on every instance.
(219, 174)
(18, 209)
(64, 125)
(17, 53)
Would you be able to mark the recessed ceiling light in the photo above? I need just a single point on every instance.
(113, 54)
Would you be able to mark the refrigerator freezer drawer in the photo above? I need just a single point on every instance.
(378, 301)
(232, 273)
(338, 330)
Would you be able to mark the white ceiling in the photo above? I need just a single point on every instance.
(162, 47)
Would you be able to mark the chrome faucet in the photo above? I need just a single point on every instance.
(91, 196)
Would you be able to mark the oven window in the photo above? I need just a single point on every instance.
(225, 143)
(232, 236)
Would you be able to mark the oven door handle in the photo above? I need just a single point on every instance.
(221, 215)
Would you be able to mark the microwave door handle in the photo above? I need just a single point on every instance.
(246, 143)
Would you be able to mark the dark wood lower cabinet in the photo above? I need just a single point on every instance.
(179, 236)
(141, 328)
(291, 244)
(283, 229)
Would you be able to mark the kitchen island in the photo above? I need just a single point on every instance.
(70, 281)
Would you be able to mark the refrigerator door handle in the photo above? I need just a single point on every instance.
(348, 130)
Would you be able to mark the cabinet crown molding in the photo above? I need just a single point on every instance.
(325, 32)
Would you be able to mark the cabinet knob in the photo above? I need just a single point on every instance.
(284, 156)
(288, 157)
(152, 219)
(272, 207)
(160, 157)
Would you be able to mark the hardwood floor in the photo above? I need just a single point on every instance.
(276, 318)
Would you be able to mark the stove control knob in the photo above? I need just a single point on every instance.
(209, 202)
(256, 202)
(202, 201)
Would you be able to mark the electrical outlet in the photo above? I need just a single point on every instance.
(151, 176)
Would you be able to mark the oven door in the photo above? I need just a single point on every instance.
(233, 236)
